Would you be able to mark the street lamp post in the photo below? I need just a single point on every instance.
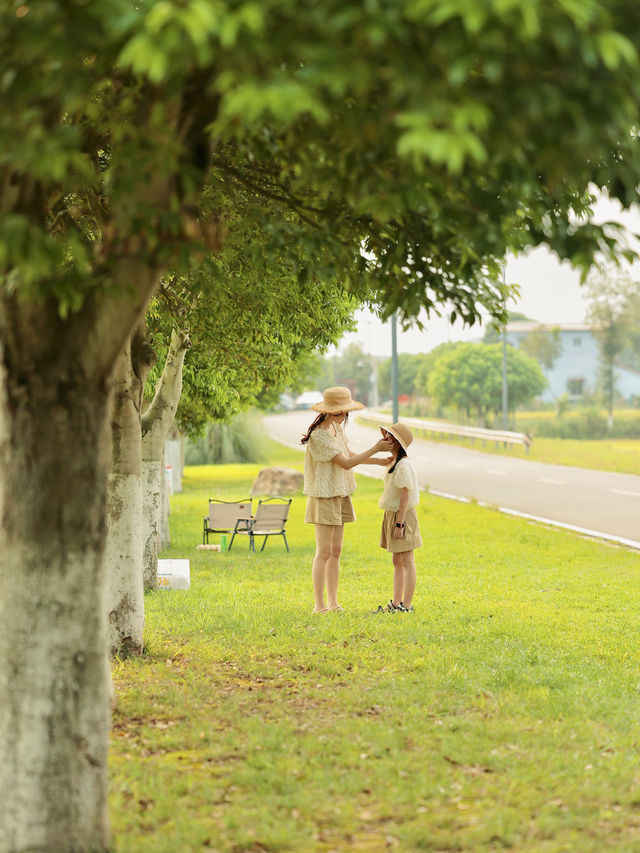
(505, 412)
(394, 368)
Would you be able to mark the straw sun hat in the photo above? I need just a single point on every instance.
(401, 432)
(337, 399)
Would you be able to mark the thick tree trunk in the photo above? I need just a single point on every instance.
(165, 532)
(125, 596)
(54, 460)
(54, 677)
(152, 485)
(156, 422)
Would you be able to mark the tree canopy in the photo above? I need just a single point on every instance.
(426, 132)
(613, 298)
(544, 344)
(410, 368)
(469, 376)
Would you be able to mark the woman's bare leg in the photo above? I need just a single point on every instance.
(398, 578)
(409, 563)
(333, 567)
(324, 540)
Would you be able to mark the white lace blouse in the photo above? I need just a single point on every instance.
(403, 477)
(322, 477)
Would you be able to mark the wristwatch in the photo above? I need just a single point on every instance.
(399, 523)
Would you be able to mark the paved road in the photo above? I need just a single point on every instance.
(596, 502)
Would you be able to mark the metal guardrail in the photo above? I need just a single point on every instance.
(437, 427)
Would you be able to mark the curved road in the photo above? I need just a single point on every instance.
(597, 503)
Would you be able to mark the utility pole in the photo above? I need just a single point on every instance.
(394, 368)
(505, 411)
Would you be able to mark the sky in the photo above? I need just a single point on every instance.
(550, 292)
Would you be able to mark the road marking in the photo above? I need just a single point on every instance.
(551, 482)
(625, 492)
(584, 531)
(497, 471)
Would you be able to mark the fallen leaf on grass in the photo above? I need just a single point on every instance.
(471, 769)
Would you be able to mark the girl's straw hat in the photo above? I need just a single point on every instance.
(402, 433)
(337, 399)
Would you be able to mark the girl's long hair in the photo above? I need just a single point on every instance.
(315, 425)
(401, 454)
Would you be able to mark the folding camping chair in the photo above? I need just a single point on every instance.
(223, 516)
(269, 520)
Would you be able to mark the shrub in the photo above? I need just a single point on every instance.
(587, 423)
(241, 440)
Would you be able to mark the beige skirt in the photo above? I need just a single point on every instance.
(411, 538)
(329, 510)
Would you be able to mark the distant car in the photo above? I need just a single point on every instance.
(308, 399)
(287, 402)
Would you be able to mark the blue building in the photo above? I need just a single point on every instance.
(575, 371)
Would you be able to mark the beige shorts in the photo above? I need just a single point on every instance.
(411, 538)
(329, 510)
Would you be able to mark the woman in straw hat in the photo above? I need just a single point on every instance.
(328, 484)
(400, 532)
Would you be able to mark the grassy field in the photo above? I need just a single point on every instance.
(502, 715)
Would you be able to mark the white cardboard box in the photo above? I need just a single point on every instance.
(173, 574)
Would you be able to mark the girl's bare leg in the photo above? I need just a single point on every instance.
(398, 578)
(333, 567)
(409, 563)
(324, 544)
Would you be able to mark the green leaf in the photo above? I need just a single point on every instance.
(615, 49)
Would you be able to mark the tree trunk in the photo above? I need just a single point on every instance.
(165, 532)
(611, 396)
(156, 422)
(54, 459)
(125, 595)
(54, 677)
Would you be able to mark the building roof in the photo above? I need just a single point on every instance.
(531, 325)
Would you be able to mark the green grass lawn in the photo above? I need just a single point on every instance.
(504, 714)
(621, 455)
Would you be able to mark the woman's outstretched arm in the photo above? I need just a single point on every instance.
(348, 462)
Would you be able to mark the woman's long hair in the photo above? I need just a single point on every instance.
(316, 424)
(400, 455)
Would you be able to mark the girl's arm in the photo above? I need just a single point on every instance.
(385, 461)
(398, 532)
(348, 462)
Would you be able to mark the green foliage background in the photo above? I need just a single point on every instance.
(241, 440)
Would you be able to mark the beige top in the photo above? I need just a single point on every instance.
(322, 477)
(403, 477)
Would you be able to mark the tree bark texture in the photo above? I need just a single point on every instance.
(54, 668)
(54, 677)
(165, 533)
(156, 422)
(125, 595)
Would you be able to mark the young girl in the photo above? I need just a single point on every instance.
(328, 484)
(400, 532)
